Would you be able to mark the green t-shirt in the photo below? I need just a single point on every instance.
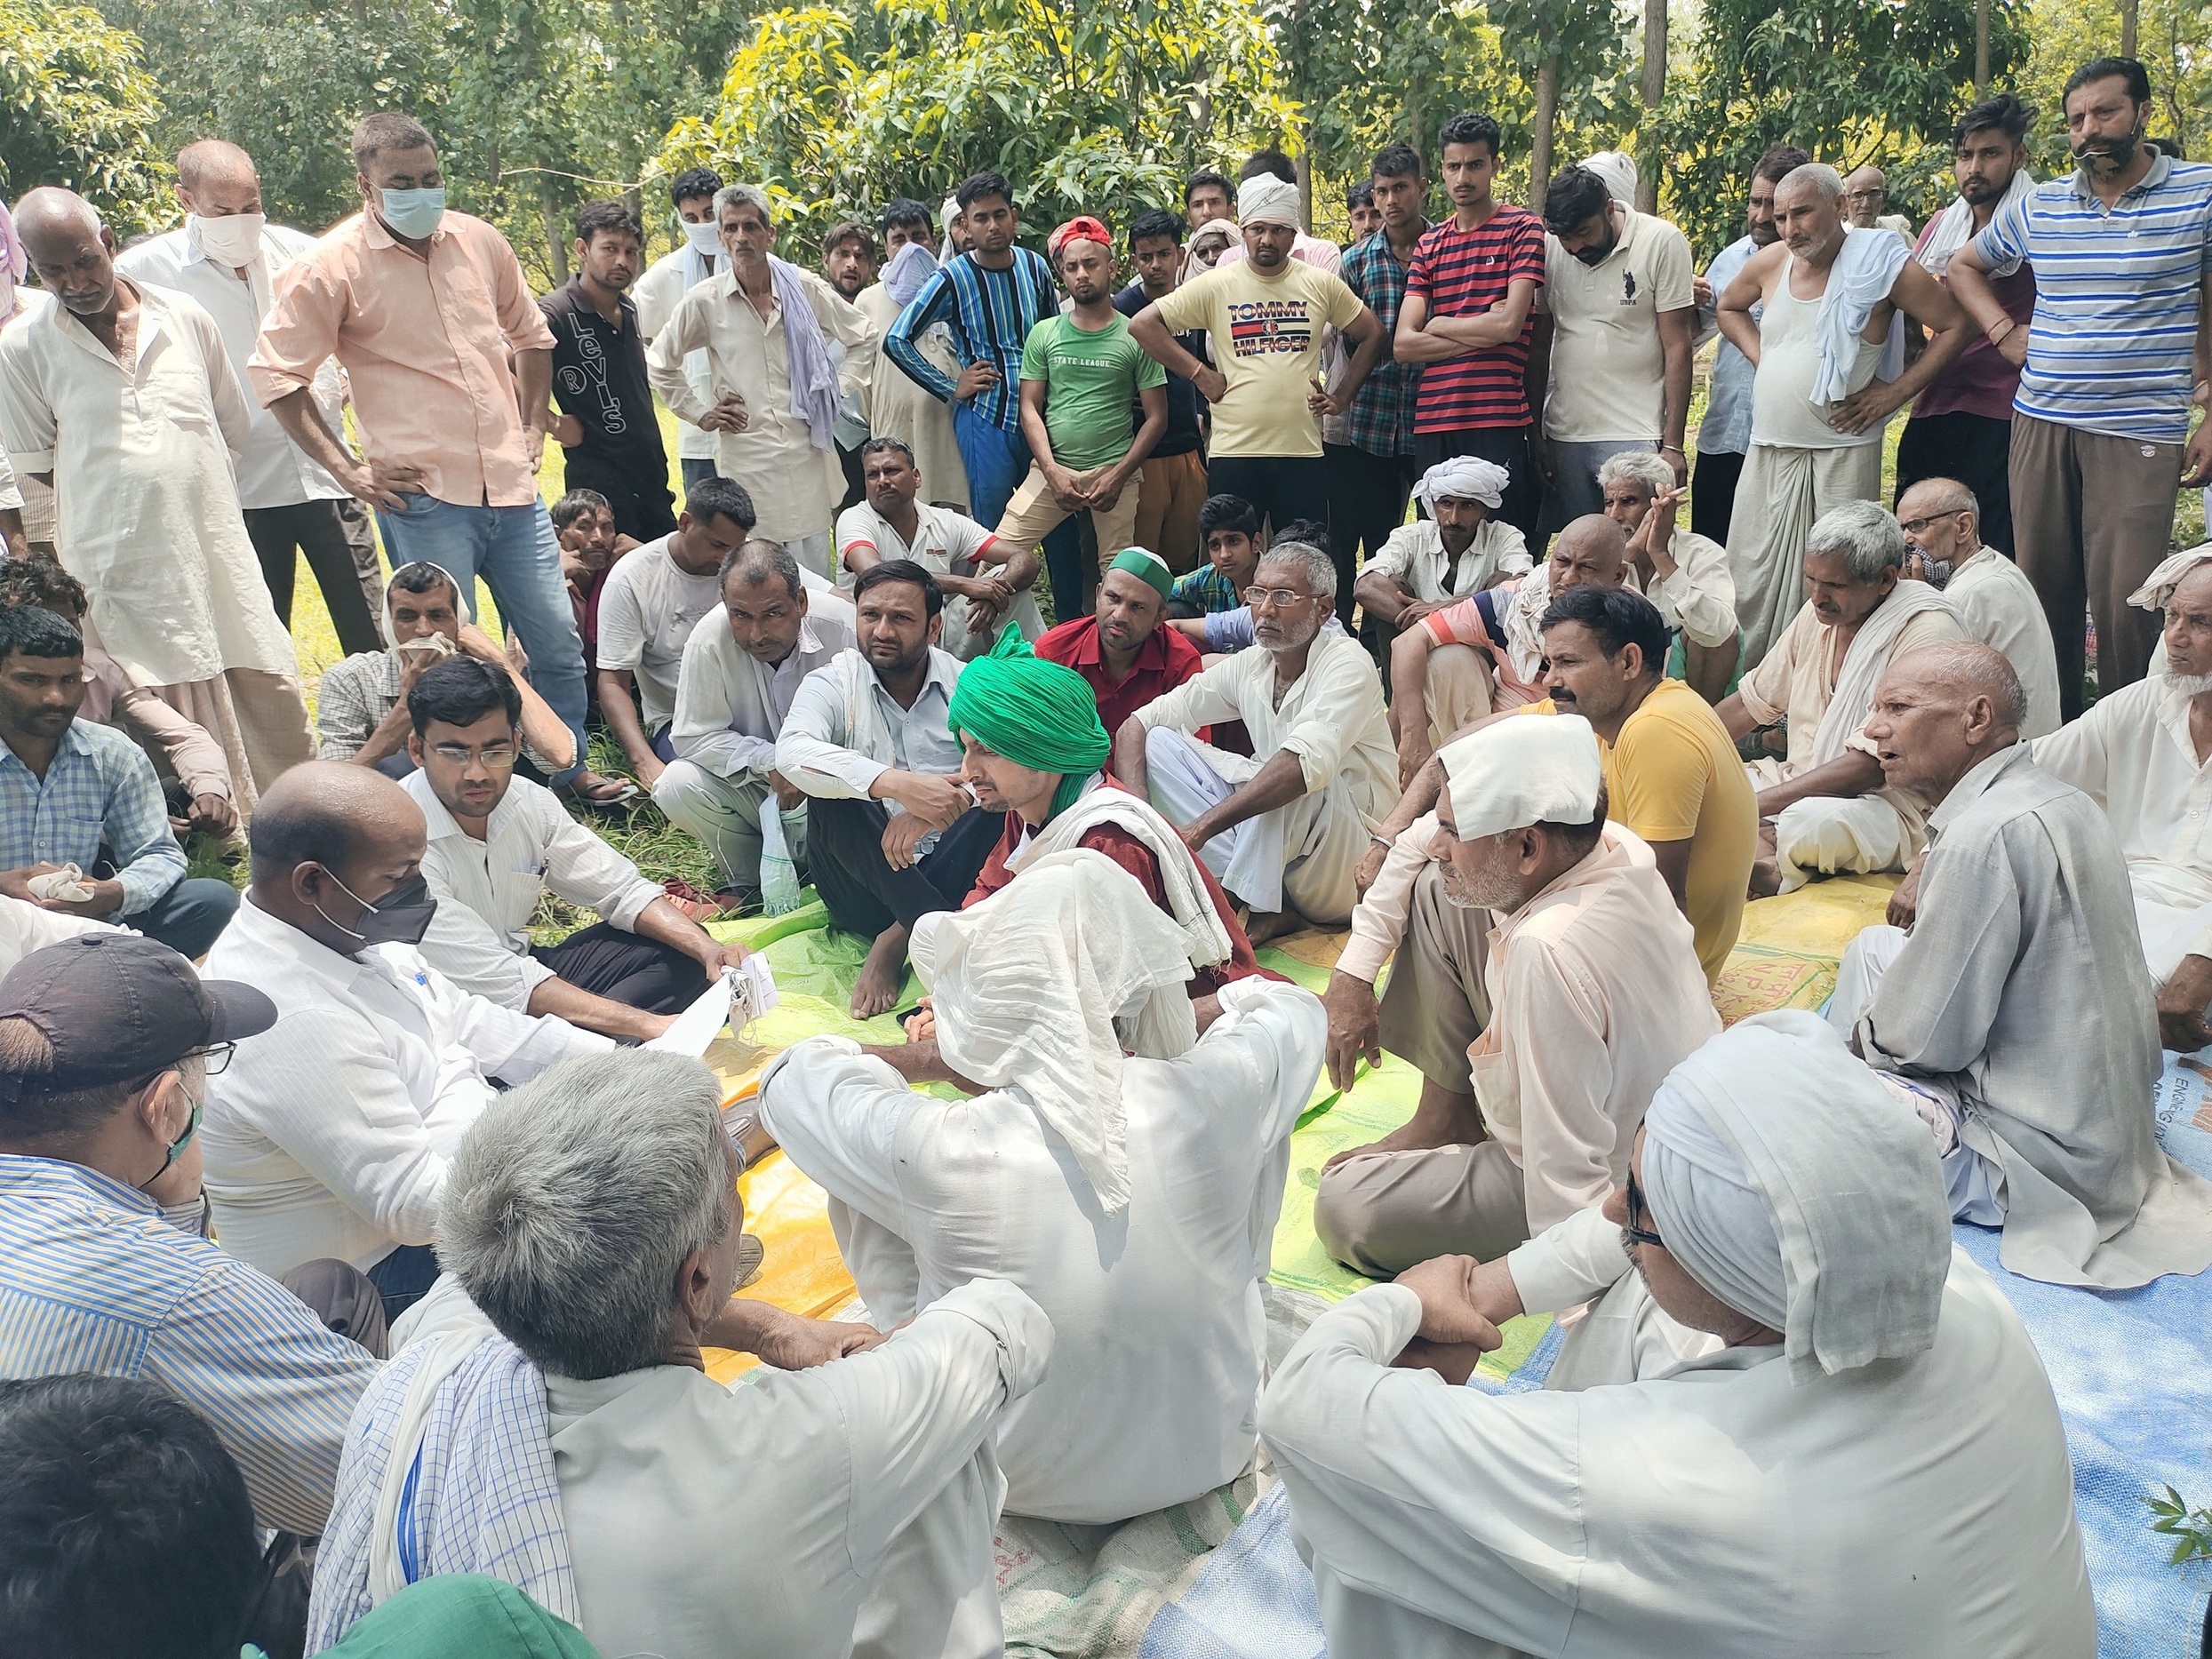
(1091, 382)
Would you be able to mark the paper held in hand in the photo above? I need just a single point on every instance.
(737, 998)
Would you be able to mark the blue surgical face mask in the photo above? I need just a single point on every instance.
(413, 213)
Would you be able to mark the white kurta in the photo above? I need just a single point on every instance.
(731, 705)
(147, 515)
(330, 1133)
(897, 408)
(1709, 1511)
(1999, 606)
(666, 280)
(796, 487)
(1159, 1336)
(753, 1522)
(1700, 597)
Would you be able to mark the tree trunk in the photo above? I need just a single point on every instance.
(1654, 92)
(2126, 28)
(1981, 50)
(1302, 163)
(1546, 118)
(556, 242)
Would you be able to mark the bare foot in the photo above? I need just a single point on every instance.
(877, 991)
(1264, 925)
(1766, 879)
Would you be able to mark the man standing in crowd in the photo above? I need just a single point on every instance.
(227, 257)
(498, 843)
(987, 584)
(895, 407)
(1829, 349)
(1265, 317)
(122, 397)
(1468, 314)
(76, 793)
(770, 331)
(691, 193)
(1372, 472)
(988, 298)
(1172, 480)
(1317, 251)
(891, 833)
(1208, 195)
(1125, 651)
(1724, 434)
(451, 364)
(1083, 383)
(1961, 426)
(1610, 360)
(2109, 364)
(1284, 826)
(849, 261)
(742, 666)
(608, 428)
(1865, 196)
(653, 598)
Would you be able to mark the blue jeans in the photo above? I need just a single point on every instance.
(188, 917)
(513, 549)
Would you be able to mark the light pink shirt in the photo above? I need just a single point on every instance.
(427, 343)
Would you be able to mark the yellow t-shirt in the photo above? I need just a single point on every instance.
(1674, 776)
(1267, 337)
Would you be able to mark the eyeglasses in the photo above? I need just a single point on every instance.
(460, 753)
(1274, 598)
(214, 1057)
(1636, 1207)
(1915, 526)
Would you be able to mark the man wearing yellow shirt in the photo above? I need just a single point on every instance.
(1670, 772)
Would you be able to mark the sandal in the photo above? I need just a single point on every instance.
(588, 789)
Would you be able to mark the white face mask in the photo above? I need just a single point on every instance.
(705, 238)
(233, 240)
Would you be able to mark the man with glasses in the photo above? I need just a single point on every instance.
(499, 842)
(1997, 604)
(1785, 1358)
(102, 1264)
(1546, 981)
(1283, 827)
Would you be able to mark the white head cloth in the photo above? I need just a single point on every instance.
(1527, 770)
(1954, 226)
(1268, 199)
(1463, 478)
(2158, 588)
(1210, 241)
(1041, 986)
(462, 607)
(1617, 167)
(1789, 1183)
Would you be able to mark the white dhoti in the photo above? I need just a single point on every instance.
(1976, 1185)
(968, 643)
(725, 814)
(1301, 855)
(1781, 492)
(1843, 835)
(2172, 913)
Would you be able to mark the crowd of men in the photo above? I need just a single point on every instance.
(379, 1228)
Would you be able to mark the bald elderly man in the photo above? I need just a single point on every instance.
(2016, 1018)
(122, 397)
(1544, 982)
(229, 257)
(1486, 651)
(331, 1135)
(1794, 1419)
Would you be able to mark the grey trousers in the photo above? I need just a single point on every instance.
(725, 814)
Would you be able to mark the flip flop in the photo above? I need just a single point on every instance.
(751, 1253)
(587, 795)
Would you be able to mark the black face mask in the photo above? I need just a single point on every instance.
(401, 917)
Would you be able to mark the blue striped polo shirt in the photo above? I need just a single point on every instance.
(2110, 349)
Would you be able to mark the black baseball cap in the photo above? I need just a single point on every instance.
(116, 1008)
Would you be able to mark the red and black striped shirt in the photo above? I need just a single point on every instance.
(1463, 274)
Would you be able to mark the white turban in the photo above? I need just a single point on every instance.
(1210, 241)
(2158, 589)
(1617, 167)
(1042, 985)
(461, 606)
(1463, 478)
(1533, 769)
(1789, 1183)
(1268, 199)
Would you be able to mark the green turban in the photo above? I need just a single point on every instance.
(1146, 566)
(1036, 714)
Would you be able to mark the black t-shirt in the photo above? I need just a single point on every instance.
(1183, 435)
(599, 377)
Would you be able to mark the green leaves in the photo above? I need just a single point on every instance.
(2191, 1528)
(77, 107)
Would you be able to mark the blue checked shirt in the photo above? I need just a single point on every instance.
(101, 788)
(92, 1279)
(990, 315)
(1381, 420)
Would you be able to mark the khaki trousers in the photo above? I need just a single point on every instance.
(1458, 690)
(1167, 516)
(1032, 513)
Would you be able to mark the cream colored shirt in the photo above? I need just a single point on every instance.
(667, 281)
(147, 499)
(796, 487)
(1332, 717)
(1700, 597)
(1797, 677)
(1608, 372)
(2000, 608)
(1414, 557)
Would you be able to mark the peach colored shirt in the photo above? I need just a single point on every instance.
(428, 344)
